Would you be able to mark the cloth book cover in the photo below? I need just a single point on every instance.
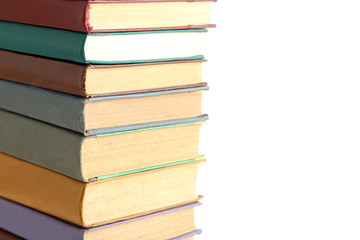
(99, 115)
(34, 225)
(78, 15)
(99, 202)
(102, 48)
(99, 80)
(88, 158)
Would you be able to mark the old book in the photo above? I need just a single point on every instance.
(173, 223)
(102, 48)
(100, 115)
(89, 158)
(105, 15)
(99, 80)
(101, 202)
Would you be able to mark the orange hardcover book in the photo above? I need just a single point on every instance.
(97, 203)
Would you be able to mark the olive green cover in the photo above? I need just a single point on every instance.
(63, 44)
(59, 149)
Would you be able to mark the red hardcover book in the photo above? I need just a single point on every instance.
(109, 16)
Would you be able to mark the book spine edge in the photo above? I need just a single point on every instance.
(42, 41)
(59, 109)
(43, 72)
(42, 144)
(15, 215)
(53, 13)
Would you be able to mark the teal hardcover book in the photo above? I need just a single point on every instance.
(101, 48)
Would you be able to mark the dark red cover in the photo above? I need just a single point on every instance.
(8, 236)
(65, 14)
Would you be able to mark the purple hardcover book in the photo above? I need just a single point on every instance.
(34, 225)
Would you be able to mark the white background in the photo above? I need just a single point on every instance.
(283, 140)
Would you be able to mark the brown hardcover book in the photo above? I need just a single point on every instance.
(107, 15)
(8, 236)
(99, 80)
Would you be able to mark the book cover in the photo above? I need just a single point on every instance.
(100, 114)
(100, 202)
(101, 48)
(34, 225)
(88, 157)
(75, 15)
(76, 79)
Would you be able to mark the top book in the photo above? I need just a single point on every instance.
(109, 16)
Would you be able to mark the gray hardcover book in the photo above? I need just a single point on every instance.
(72, 153)
(99, 114)
(34, 225)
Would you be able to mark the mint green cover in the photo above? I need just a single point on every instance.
(63, 44)
(148, 168)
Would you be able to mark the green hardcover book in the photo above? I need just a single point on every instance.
(90, 158)
(101, 48)
(98, 115)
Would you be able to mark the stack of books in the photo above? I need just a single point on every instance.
(100, 116)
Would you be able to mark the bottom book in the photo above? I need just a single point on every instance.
(171, 224)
